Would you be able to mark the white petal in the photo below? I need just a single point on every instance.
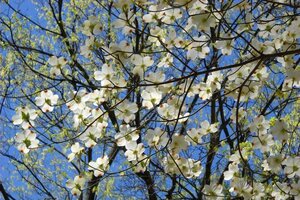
(17, 119)
(19, 137)
(53, 60)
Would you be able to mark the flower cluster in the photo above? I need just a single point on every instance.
(182, 91)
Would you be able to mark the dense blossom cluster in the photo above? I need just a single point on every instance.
(181, 94)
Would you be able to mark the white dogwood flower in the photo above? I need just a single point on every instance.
(134, 151)
(126, 135)
(47, 100)
(105, 75)
(156, 138)
(76, 185)
(24, 116)
(57, 65)
(126, 110)
(92, 26)
(76, 150)
(151, 97)
(26, 141)
(100, 166)
(141, 64)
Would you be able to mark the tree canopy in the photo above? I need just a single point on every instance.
(158, 99)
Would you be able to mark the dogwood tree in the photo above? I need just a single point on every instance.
(182, 99)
